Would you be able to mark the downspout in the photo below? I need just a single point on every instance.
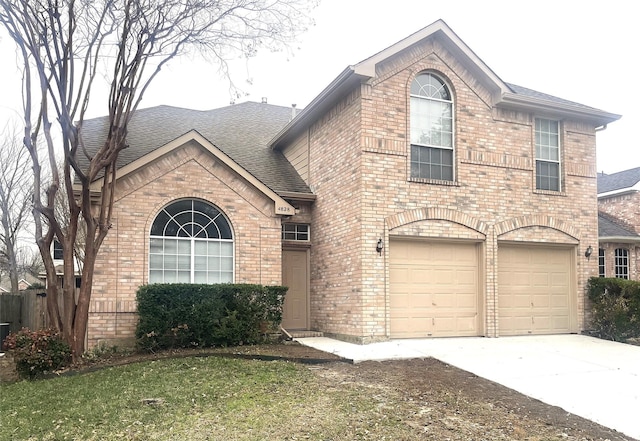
(601, 128)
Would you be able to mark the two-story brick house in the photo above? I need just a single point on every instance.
(417, 195)
(619, 224)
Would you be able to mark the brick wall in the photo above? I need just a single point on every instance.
(359, 170)
(609, 258)
(625, 207)
(187, 172)
(335, 173)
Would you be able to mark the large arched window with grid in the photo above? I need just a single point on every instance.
(431, 128)
(191, 242)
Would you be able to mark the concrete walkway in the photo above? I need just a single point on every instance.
(596, 379)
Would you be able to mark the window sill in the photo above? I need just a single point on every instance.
(550, 192)
(434, 182)
(300, 244)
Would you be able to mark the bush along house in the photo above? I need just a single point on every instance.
(419, 195)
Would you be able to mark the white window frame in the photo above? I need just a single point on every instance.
(183, 263)
(296, 232)
(426, 146)
(602, 267)
(621, 263)
(541, 136)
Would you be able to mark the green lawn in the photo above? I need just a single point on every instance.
(200, 398)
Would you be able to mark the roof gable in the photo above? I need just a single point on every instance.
(281, 206)
(240, 132)
(444, 34)
(503, 94)
(611, 228)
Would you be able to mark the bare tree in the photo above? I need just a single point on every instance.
(16, 190)
(65, 46)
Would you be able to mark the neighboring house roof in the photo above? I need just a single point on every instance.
(26, 280)
(240, 131)
(622, 182)
(503, 94)
(611, 229)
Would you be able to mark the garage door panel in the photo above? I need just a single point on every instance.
(540, 280)
(467, 324)
(466, 277)
(399, 273)
(560, 302)
(444, 276)
(539, 302)
(561, 322)
(517, 279)
(466, 303)
(442, 280)
(560, 280)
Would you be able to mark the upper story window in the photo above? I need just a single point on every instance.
(431, 128)
(547, 154)
(57, 250)
(601, 263)
(191, 242)
(621, 263)
(299, 232)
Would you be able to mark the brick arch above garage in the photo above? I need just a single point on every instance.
(526, 228)
(401, 222)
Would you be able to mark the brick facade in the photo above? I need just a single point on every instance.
(351, 151)
(359, 170)
(187, 172)
(625, 208)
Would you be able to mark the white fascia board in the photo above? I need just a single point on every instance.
(619, 239)
(620, 191)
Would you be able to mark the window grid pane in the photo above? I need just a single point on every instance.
(432, 128)
(547, 139)
(621, 263)
(199, 248)
(297, 232)
(431, 163)
(601, 263)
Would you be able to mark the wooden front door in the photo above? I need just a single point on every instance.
(295, 275)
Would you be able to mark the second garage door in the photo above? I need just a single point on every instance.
(434, 288)
(534, 289)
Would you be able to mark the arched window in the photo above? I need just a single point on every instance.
(191, 242)
(431, 128)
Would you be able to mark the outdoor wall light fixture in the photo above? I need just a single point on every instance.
(588, 251)
(379, 246)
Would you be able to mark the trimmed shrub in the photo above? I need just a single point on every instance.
(189, 315)
(615, 308)
(37, 352)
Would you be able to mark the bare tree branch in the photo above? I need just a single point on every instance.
(65, 45)
(15, 201)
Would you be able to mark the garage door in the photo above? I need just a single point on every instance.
(534, 289)
(434, 289)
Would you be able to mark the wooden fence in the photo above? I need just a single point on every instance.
(25, 309)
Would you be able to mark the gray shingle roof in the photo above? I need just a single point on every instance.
(539, 95)
(242, 131)
(618, 181)
(609, 226)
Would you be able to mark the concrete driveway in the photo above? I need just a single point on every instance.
(596, 379)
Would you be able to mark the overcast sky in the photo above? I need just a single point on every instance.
(580, 50)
